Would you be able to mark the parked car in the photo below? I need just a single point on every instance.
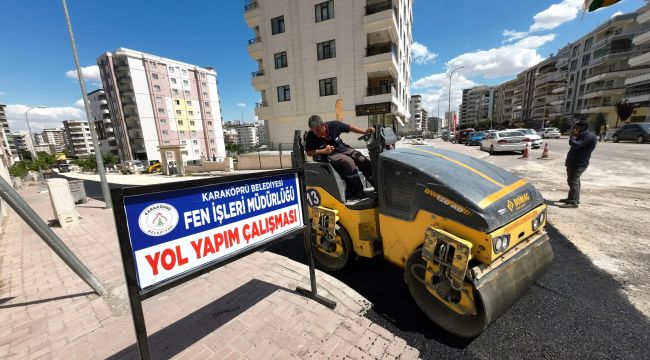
(132, 167)
(547, 133)
(532, 138)
(639, 132)
(462, 135)
(508, 140)
(475, 138)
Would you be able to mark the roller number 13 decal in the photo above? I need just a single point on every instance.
(313, 197)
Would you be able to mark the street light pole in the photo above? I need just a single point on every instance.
(91, 123)
(449, 105)
(31, 139)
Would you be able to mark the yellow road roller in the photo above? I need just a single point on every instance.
(469, 235)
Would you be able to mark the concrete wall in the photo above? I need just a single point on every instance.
(207, 166)
(263, 161)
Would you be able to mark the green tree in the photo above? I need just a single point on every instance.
(110, 159)
(19, 169)
(564, 125)
(86, 163)
(599, 121)
(44, 160)
(233, 148)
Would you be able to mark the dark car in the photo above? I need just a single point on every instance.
(461, 138)
(633, 132)
(475, 138)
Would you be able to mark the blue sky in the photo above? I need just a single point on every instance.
(35, 50)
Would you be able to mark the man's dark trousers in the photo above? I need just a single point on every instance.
(573, 179)
(346, 162)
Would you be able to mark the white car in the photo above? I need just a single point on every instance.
(532, 138)
(508, 140)
(547, 133)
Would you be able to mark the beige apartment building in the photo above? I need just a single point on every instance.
(155, 101)
(478, 103)
(78, 140)
(314, 55)
(637, 84)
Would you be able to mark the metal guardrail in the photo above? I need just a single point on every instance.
(257, 73)
(254, 40)
(378, 7)
(251, 6)
(380, 49)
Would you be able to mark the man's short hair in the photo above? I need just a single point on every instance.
(581, 124)
(315, 120)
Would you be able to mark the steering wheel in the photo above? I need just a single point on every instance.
(365, 137)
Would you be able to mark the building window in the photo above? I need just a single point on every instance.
(326, 50)
(186, 92)
(210, 123)
(154, 76)
(588, 43)
(171, 70)
(156, 87)
(211, 141)
(182, 132)
(281, 60)
(194, 132)
(191, 123)
(203, 84)
(178, 102)
(203, 75)
(207, 113)
(178, 112)
(574, 65)
(576, 49)
(189, 103)
(206, 104)
(180, 122)
(585, 59)
(183, 72)
(325, 11)
(175, 91)
(283, 93)
(163, 121)
(161, 110)
(173, 80)
(165, 132)
(153, 64)
(327, 86)
(190, 113)
(186, 83)
(158, 100)
(277, 25)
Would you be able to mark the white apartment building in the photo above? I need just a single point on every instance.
(313, 55)
(479, 103)
(418, 121)
(54, 137)
(155, 101)
(78, 140)
(103, 124)
(637, 85)
(19, 143)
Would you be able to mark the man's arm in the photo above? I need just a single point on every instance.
(324, 151)
(580, 141)
(357, 130)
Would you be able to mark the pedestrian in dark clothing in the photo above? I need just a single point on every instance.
(324, 139)
(582, 142)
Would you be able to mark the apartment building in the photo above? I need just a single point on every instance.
(637, 83)
(155, 101)
(478, 103)
(54, 137)
(5, 148)
(419, 116)
(20, 142)
(103, 125)
(313, 56)
(434, 124)
(450, 120)
(78, 141)
(505, 103)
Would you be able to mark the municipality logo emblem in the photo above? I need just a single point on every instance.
(158, 219)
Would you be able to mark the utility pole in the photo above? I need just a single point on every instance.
(91, 123)
(449, 105)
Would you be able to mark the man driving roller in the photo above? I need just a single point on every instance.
(324, 138)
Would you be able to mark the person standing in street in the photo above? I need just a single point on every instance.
(582, 142)
(324, 139)
(603, 132)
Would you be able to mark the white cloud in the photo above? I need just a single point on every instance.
(241, 104)
(421, 54)
(90, 73)
(617, 13)
(512, 35)
(41, 118)
(505, 60)
(556, 15)
(80, 104)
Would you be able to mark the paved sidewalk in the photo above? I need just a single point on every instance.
(244, 310)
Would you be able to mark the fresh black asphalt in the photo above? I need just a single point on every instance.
(576, 311)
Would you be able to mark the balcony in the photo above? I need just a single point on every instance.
(103, 102)
(252, 13)
(641, 38)
(378, 6)
(381, 19)
(255, 49)
(603, 91)
(262, 110)
(597, 108)
(606, 75)
(638, 93)
(639, 60)
(643, 17)
(258, 80)
(381, 57)
(638, 78)
(378, 94)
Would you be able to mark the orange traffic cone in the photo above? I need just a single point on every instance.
(545, 155)
(525, 155)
